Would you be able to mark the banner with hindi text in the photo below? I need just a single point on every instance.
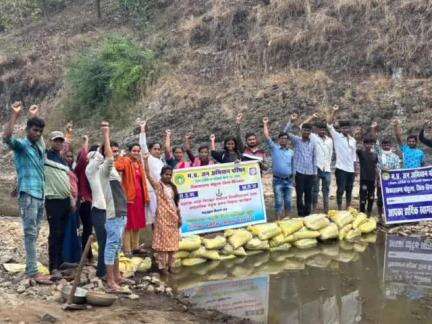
(220, 196)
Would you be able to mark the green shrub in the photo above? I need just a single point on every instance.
(102, 81)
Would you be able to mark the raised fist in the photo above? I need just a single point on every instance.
(16, 107)
(239, 118)
(212, 137)
(265, 120)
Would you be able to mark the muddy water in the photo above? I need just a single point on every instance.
(389, 281)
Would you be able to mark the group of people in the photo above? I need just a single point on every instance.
(117, 195)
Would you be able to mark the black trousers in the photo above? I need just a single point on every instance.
(85, 216)
(344, 183)
(57, 214)
(367, 195)
(303, 185)
(379, 200)
(98, 217)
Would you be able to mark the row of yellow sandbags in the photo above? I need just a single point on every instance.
(327, 255)
(279, 236)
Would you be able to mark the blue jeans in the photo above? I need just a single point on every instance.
(114, 229)
(325, 179)
(31, 211)
(282, 194)
(98, 219)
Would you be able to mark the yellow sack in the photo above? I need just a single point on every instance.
(240, 252)
(344, 231)
(190, 262)
(227, 249)
(140, 264)
(353, 234)
(277, 240)
(239, 238)
(182, 255)
(202, 252)
(126, 267)
(359, 219)
(227, 257)
(329, 232)
(342, 218)
(316, 221)
(257, 244)
(331, 213)
(14, 268)
(229, 232)
(306, 243)
(283, 247)
(290, 226)
(265, 231)
(353, 211)
(215, 243)
(190, 243)
(304, 233)
(368, 226)
(369, 238)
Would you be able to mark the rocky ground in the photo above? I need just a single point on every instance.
(148, 299)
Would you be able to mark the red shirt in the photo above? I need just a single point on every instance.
(84, 191)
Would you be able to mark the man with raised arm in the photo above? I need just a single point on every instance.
(345, 147)
(29, 162)
(282, 158)
(305, 169)
(251, 151)
(324, 154)
(413, 157)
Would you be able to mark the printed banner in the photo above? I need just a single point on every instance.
(244, 298)
(407, 195)
(220, 196)
(407, 266)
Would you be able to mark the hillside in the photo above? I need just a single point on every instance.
(219, 57)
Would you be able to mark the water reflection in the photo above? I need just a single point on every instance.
(385, 282)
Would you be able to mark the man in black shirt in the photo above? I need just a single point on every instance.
(368, 163)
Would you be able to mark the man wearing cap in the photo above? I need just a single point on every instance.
(304, 167)
(57, 198)
(346, 156)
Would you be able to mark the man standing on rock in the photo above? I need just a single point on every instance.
(29, 163)
(304, 167)
(413, 157)
(282, 158)
(346, 155)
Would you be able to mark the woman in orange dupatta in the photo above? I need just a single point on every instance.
(135, 186)
(166, 234)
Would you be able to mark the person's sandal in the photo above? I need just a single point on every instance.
(42, 279)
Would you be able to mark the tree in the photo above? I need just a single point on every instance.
(98, 9)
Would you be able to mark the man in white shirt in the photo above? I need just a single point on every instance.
(155, 165)
(345, 148)
(324, 153)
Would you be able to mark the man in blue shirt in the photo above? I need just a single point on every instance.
(29, 162)
(282, 157)
(413, 157)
